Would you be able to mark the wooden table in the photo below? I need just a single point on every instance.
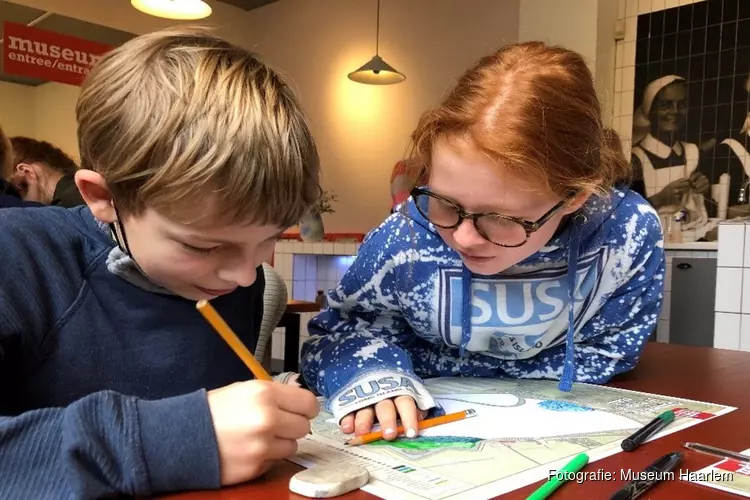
(698, 373)
(290, 322)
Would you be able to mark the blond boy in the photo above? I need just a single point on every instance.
(195, 157)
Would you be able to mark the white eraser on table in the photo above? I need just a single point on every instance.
(331, 480)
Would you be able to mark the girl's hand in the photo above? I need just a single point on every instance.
(386, 412)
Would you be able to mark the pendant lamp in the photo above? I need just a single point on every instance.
(184, 10)
(376, 71)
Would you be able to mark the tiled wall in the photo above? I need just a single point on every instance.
(625, 58)
(707, 42)
(732, 321)
(307, 268)
(662, 330)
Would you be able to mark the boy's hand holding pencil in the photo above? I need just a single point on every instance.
(258, 421)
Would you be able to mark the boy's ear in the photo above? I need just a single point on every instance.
(25, 169)
(95, 193)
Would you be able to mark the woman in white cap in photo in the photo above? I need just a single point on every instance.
(731, 157)
(665, 166)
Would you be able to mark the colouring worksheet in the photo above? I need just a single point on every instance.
(521, 431)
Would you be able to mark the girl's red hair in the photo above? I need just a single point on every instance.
(533, 109)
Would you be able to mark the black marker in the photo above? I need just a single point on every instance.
(651, 428)
(657, 472)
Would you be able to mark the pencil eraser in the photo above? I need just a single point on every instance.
(330, 480)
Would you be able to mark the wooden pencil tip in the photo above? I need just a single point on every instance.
(201, 304)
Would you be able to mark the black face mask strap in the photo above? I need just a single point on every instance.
(119, 231)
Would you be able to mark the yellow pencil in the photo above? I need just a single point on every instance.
(424, 424)
(221, 327)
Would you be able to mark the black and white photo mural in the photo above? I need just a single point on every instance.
(691, 117)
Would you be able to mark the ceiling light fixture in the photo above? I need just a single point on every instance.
(184, 10)
(376, 71)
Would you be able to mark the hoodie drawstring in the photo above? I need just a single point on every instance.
(568, 374)
(465, 310)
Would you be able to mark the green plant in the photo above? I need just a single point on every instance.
(325, 203)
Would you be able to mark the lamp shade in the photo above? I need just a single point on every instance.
(184, 10)
(376, 72)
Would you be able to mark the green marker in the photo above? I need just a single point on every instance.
(565, 474)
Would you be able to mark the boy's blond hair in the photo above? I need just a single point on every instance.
(196, 128)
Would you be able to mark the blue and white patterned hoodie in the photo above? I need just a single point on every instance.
(580, 309)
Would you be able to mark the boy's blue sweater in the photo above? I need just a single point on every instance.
(102, 383)
(580, 309)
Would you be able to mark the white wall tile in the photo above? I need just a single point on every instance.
(278, 265)
(615, 122)
(669, 4)
(746, 261)
(350, 248)
(626, 125)
(288, 260)
(631, 8)
(621, 9)
(745, 333)
(657, 5)
(618, 85)
(728, 290)
(644, 6)
(628, 56)
(317, 248)
(662, 331)
(727, 331)
(289, 286)
(666, 305)
(628, 83)
(731, 245)
(617, 111)
(620, 55)
(745, 289)
(627, 103)
(631, 29)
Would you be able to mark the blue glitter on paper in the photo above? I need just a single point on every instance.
(563, 406)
